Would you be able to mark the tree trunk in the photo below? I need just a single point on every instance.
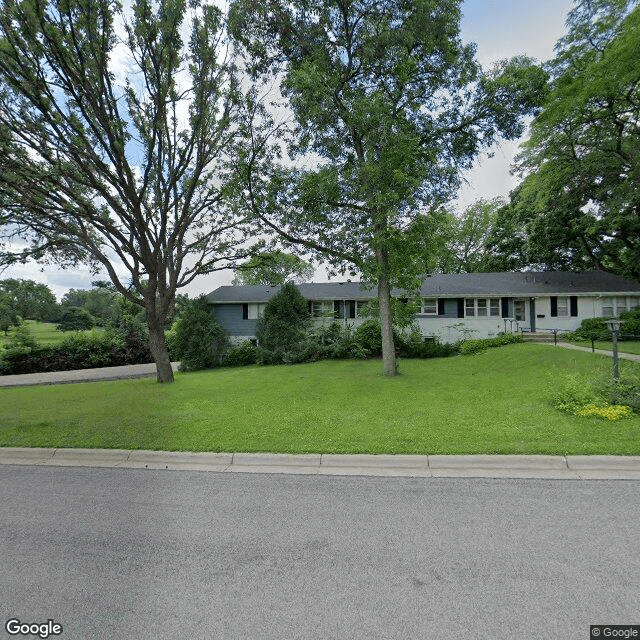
(386, 322)
(158, 348)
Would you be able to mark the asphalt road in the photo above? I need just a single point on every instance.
(143, 554)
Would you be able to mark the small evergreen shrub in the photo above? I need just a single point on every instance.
(283, 327)
(198, 340)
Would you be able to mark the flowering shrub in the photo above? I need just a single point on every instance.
(608, 412)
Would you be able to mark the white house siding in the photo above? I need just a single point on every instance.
(450, 328)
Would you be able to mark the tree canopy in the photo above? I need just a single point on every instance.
(31, 300)
(114, 140)
(578, 205)
(273, 268)
(389, 106)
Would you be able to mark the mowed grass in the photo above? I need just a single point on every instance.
(496, 402)
(624, 346)
(43, 332)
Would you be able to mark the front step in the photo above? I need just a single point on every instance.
(538, 336)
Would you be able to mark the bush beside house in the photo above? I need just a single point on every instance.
(197, 339)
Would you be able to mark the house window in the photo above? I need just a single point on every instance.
(482, 307)
(322, 308)
(430, 306)
(254, 311)
(469, 307)
(563, 306)
(615, 306)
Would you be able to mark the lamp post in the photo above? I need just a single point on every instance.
(614, 326)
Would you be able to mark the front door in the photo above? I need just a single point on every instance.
(518, 310)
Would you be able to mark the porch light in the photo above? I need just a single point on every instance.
(614, 325)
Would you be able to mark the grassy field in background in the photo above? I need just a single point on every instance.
(44, 332)
(628, 346)
(496, 402)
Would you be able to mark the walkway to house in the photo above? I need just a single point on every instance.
(602, 352)
(82, 375)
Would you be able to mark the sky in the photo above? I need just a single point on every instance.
(501, 29)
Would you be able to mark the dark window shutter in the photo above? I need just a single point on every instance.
(336, 308)
(505, 307)
(440, 306)
(460, 307)
(245, 311)
(352, 308)
(554, 306)
(310, 307)
(573, 300)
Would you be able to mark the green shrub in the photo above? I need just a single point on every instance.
(331, 342)
(469, 347)
(413, 345)
(198, 340)
(369, 336)
(631, 324)
(283, 327)
(571, 392)
(79, 351)
(593, 329)
(75, 319)
(624, 392)
(21, 340)
(240, 355)
(128, 329)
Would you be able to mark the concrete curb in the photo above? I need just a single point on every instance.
(428, 466)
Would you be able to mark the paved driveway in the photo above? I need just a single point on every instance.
(82, 375)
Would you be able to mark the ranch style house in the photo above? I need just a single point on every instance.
(453, 306)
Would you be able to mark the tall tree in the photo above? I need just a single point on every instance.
(32, 300)
(465, 237)
(273, 268)
(99, 302)
(580, 199)
(124, 171)
(389, 106)
(9, 316)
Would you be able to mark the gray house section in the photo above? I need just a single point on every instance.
(231, 318)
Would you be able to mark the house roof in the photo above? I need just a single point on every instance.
(451, 285)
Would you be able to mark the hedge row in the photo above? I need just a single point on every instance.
(79, 351)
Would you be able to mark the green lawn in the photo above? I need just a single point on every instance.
(629, 346)
(494, 402)
(43, 332)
